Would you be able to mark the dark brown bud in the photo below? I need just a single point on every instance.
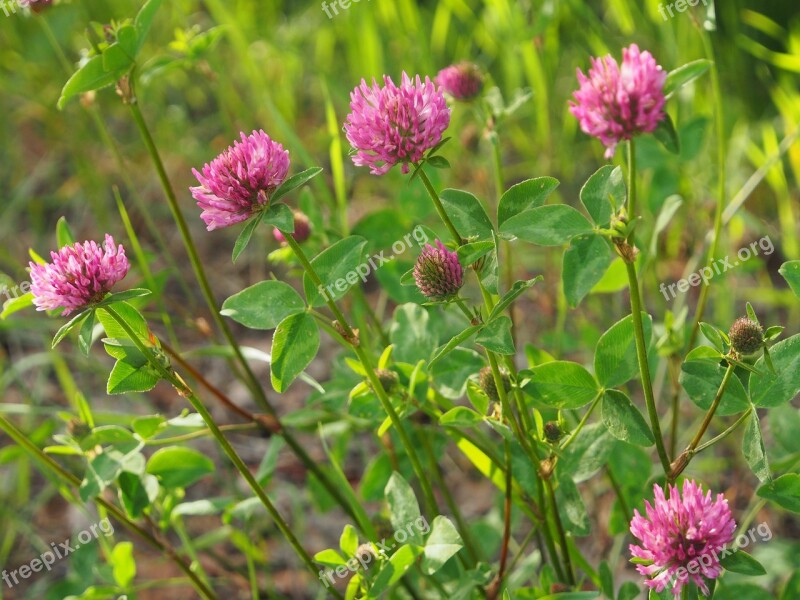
(487, 383)
(746, 336)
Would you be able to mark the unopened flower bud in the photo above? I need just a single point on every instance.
(487, 383)
(388, 379)
(552, 431)
(438, 273)
(302, 229)
(746, 336)
(463, 81)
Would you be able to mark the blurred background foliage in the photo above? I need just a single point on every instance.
(213, 68)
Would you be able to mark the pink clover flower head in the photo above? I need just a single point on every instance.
(78, 276)
(392, 125)
(463, 81)
(681, 537)
(240, 181)
(616, 103)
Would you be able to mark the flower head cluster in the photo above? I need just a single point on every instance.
(79, 275)
(463, 81)
(241, 180)
(746, 336)
(616, 102)
(681, 536)
(438, 273)
(392, 125)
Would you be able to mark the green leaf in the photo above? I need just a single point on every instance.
(791, 273)
(124, 296)
(628, 591)
(412, 334)
(792, 589)
(294, 345)
(679, 77)
(179, 467)
(403, 507)
(330, 558)
(348, 541)
(712, 335)
(101, 471)
(295, 181)
(13, 305)
(90, 77)
(442, 544)
(769, 389)
(339, 268)
(243, 239)
(64, 235)
(519, 288)
(144, 20)
(666, 134)
(602, 193)
(496, 336)
(585, 262)
(263, 305)
(393, 570)
(450, 374)
(64, 330)
(137, 492)
(753, 448)
(469, 253)
(454, 343)
(130, 375)
(702, 378)
(606, 580)
(438, 162)
(467, 213)
(149, 425)
(523, 196)
(281, 216)
(124, 565)
(460, 416)
(551, 225)
(615, 359)
(110, 435)
(784, 491)
(742, 562)
(624, 421)
(561, 384)
(570, 505)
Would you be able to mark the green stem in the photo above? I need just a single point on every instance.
(507, 517)
(202, 279)
(725, 433)
(437, 203)
(562, 534)
(184, 390)
(636, 313)
(582, 422)
(448, 498)
(386, 403)
(191, 250)
(644, 367)
(631, 179)
(56, 469)
(686, 457)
